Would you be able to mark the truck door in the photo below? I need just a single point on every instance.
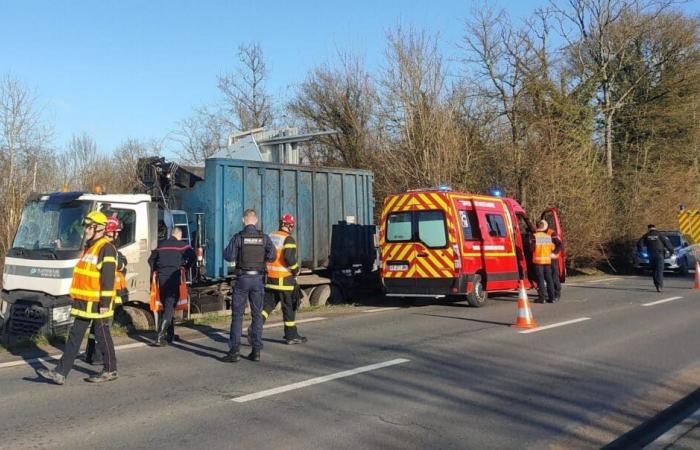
(551, 215)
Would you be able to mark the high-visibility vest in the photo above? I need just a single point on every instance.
(183, 300)
(279, 276)
(120, 288)
(85, 290)
(543, 248)
(550, 233)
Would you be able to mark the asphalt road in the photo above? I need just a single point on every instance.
(426, 376)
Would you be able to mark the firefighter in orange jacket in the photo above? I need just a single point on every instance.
(92, 352)
(281, 285)
(542, 260)
(92, 294)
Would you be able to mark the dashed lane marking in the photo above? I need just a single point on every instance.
(380, 309)
(555, 325)
(600, 280)
(313, 381)
(665, 300)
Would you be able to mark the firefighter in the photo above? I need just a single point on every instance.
(657, 245)
(92, 352)
(167, 261)
(92, 298)
(281, 285)
(249, 250)
(542, 260)
(556, 280)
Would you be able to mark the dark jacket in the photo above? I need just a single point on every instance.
(169, 257)
(233, 249)
(655, 242)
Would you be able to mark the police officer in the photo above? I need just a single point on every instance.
(249, 250)
(542, 260)
(657, 245)
(556, 281)
(168, 259)
(281, 285)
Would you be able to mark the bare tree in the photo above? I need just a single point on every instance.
(247, 102)
(339, 98)
(201, 135)
(601, 46)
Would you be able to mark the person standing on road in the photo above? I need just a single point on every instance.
(556, 277)
(168, 260)
(249, 250)
(542, 260)
(92, 298)
(93, 356)
(657, 245)
(281, 285)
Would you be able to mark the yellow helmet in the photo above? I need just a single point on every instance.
(95, 218)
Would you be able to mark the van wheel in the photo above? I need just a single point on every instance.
(477, 297)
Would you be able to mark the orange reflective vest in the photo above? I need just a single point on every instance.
(550, 233)
(85, 289)
(183, 299)
(543, 248)
(120, 288)
(280, 277)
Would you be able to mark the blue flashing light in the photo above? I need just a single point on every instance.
(496, 192)
(444, 187)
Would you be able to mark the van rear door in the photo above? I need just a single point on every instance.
(551, 215)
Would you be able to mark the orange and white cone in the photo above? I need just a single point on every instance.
(525, 318)
(697, 275)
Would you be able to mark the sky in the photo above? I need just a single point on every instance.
(133, 69)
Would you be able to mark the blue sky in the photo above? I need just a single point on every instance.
(134, 68)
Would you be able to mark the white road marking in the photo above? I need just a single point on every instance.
(555, 325)
(658, 302)
(672, 435)
(55, 357)
(380, 309)
(312, 381)
(601, 280)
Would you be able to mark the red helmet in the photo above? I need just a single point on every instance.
(113, 225)
(288, 219)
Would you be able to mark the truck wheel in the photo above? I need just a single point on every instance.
(320, 295)
(477, 297)
(136, 318)
(305, 302)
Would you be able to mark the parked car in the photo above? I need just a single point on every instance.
(681, 260)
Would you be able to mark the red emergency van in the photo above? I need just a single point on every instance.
(442, 243)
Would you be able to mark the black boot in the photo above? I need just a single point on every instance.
(232, 356)
(296, 340)
(160, 339)
(254, 355)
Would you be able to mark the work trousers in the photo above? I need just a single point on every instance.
(656, 263)
(289, 307)
(75, 339)
(248, 288)
(544, 282)
(169, 294)
(556, 282)
(92, 351)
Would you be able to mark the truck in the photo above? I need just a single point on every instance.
(335, 234)
(441, 243)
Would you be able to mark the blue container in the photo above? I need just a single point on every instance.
(319, 198)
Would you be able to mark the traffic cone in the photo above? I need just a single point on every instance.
(697, 275)
(525, 318)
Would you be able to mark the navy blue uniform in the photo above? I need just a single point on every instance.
(656, 244)
(250, 250)
(167, 259)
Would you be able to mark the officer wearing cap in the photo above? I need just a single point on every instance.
(249, 250)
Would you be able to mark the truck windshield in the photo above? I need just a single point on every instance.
(51, 226)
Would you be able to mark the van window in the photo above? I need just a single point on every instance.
(497, 226)
(470, 225)
(431, 228)
(399, 227)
